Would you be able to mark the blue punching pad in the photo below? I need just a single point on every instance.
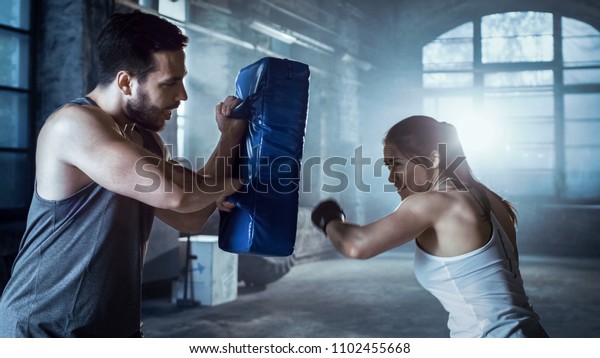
(275, 102)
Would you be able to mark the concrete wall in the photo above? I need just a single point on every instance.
(67, 30)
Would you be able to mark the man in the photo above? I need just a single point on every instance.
(102, 175)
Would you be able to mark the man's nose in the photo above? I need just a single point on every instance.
(182, 94)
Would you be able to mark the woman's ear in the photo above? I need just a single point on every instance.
(435, 159)
(124, 82)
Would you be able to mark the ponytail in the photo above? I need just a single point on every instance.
(449, 135)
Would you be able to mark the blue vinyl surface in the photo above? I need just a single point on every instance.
(275, 95)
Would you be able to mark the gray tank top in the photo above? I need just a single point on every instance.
(79, 268)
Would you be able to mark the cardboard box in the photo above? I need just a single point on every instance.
(213, 273)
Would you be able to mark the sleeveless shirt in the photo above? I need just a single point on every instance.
(481, 290)
(78, 272)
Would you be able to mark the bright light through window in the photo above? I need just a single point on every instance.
(517, 37)
(507, 104)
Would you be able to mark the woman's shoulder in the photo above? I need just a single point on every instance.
(447, 207)
(434, 203)
(435, 198)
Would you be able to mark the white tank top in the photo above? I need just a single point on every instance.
(482, 290)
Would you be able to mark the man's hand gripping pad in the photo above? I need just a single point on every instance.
(275, 102)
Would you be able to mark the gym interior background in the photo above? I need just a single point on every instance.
(519, 78)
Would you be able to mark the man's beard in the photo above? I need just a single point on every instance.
(141, 112)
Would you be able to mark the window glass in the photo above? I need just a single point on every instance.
(448, 108)
(519, 79)
(517, 106)
(582, 126)
(13, 119)
(582, 185)
(517, 37)
(583, 133)
(14, 180)
(520, 103)
(582, 76)
(529, 156)
(14, 59)
(580, 158)
(476, 130)
(582, 106)
(15, 13)
(581, 43)
(447, 80)
(16, 163)
(583, 172)
(451, 51)
(535, 183)
(532, 131)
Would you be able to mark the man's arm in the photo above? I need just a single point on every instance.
(218, 167)
(82, 143)
(189, 222)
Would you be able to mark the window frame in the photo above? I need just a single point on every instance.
(558, 88)
(18, 213)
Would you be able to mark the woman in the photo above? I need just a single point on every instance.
(466, 253)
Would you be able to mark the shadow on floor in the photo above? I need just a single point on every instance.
(380, 297)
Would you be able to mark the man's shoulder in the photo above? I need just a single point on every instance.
(71, 109)
(76, 117)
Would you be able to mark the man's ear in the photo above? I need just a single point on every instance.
(435, 159)
(124, 82)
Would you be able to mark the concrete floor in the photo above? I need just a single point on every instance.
(379, 297)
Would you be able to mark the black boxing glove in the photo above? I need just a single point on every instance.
(325, 212)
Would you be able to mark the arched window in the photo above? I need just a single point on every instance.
(523, 88)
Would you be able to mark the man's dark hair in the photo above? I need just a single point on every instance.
(128, 41)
